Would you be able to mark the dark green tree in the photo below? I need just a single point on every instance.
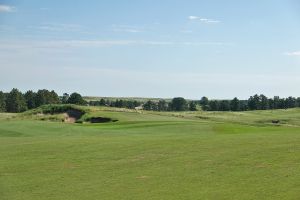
(298, 102)
(243, 105)
(130, 104)
(204, 102)
(119, 103)
(291, 102)
(76, 98)
(282, 104)
(224, 105)
(102, 102)
(30, 98)
(2, 102)
(276, 102)
(179, 104)
(192, 106)
(136, 103)
(162, 105)
(54, 98)
(235, 104)
(46, 97)
(253, 102)
(65, 98)
(150, 105)
(214, 105)
(15, 101)
(263, 102)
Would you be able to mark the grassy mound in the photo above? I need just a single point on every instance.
(66, 113)
(56, 112)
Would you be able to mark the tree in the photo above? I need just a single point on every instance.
(2, 102)
(179, 104)
(76, 98)
(119, 103)
(271, 103)
(65, 98)
(253, 102)
(224, 105)
(150, 105)
(235, 104)
(192, 106)
(30, 98)
(15, 101)
(282, 104)
(291, 102)
(243, 105)
(263, 102)
(130, 104)
(276, 102)
(162, 105)
(46, 97)
(298, 102)
(102, 102)
(204, 102)
(53, 98)
(136, 103)
(214, 105)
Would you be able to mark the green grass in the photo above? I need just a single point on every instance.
(151, 155)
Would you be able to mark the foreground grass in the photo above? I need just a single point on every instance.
(151, 156)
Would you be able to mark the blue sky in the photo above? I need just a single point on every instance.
(189, 48)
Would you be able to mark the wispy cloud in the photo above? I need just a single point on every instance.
(126, 28)
(68, 44)
(59, 27)
(204, 20)
(6, 8)
(293, 53)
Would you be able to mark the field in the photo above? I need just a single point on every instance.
(151, 155)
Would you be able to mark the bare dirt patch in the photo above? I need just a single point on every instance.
(68, 119)
(142, 177)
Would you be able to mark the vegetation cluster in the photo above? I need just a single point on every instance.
(15, 102)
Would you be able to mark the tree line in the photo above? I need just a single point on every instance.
(176, 104)
(256, 102)
(16, 101)
(119, 103)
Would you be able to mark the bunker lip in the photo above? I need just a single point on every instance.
(74, 116)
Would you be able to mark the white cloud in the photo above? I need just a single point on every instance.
(204, 20)
(6, 8)
(294, 53)
(193, 17)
